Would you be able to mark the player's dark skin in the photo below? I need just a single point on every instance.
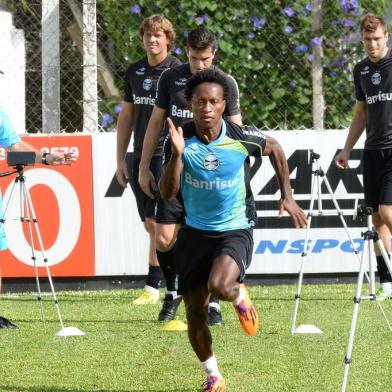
(208, 105)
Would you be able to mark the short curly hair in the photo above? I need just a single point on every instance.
(208, 75)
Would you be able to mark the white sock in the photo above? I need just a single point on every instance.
(241, 296)
(210, 366)
(152, 290)
(173, 294)
(214, 305)
(387, 288)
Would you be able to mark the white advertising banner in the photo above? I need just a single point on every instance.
(121, 243)
(278, 246)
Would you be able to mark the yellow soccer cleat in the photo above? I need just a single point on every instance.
(175, 325)
(247, 314)
(213, 384)
(149, 297)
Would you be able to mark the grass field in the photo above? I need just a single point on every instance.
(124, 348)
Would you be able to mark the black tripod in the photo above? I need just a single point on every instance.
(371, 239)
(28, 217)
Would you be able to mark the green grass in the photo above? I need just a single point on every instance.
(124, 348)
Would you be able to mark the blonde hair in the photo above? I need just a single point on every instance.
(159, 22)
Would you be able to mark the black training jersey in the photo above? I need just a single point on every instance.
(215, 181)
(171, 97)
(140, 89)
(373, 84)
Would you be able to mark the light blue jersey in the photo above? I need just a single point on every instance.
(8, 137)
(214, 182)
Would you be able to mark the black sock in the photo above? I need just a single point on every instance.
(383, 272)
(154, 277)
(166, 261)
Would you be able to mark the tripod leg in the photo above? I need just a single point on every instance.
(31, 208)
(300, 277)
(357, 300)
(27, 218)
(303, 257)
(319, 200)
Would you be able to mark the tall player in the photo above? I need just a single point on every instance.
(171, 102)
(373, 111)
(141, 79)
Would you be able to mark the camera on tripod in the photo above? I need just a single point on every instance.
(19, 158)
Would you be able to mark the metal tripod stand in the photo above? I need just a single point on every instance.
(371, 239)
(318, 176)
(28, 217)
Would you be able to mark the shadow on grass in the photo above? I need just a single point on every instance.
(74, 322)
(13, 388)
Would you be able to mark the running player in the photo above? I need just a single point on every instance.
(373, 111)
(141, 79)
(170, 101)
(206, 161)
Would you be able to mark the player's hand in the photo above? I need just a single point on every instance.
(57, 159)
(297, 214)
(341, 159)
(122, 174)
(176, 138)
(147, 182)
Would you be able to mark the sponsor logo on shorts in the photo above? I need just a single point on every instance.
(141, 71)
(211, 162)
(376, 78)
(147, 84)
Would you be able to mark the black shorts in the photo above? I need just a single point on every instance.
(377, 177)
(145, 205)
(195, 250)
(170, 212)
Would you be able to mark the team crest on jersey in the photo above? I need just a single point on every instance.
(211, 162)
(147, 84)
(141, 71)
(365, 70)
(376, 78)
(181, 82)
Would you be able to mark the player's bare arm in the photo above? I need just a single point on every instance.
(55, 159)
(357, 126)
(124, 133)
(169, 183)
(236, 119)
(153, 133)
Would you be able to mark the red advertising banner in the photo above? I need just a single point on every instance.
(62, 200)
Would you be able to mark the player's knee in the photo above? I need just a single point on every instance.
(194, 313)
(384, 216)
(219, 288)
(163, 243)
(149, 225)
